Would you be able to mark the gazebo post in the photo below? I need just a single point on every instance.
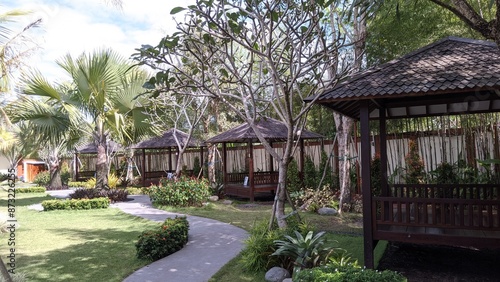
(384, 188)
(301, 156)
(383, 153)
(201, 160)
(271, 160)
(366, 185)
(143, 168)
(170, 159)
(250, 171)
(76, 166)
(224, 162)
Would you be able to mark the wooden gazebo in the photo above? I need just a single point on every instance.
(90, 150)
(249, 184)
(450, 77)
(167, 141)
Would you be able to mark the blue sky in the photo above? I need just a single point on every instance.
(72, 26)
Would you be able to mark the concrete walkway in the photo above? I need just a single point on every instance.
(211, 244)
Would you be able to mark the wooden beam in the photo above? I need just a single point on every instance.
(224, 162)
(143, 168)
(366, 185)
(251, 171)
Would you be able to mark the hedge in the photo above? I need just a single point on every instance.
(31, 190)
(170, 237)
(73, 204)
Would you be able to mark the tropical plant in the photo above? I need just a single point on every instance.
(103, 89)
(306, 252)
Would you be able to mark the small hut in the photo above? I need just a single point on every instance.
(250, 182)
(86, 157)
(153, 165)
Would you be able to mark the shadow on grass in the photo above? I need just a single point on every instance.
(105, 255)
(25, 200)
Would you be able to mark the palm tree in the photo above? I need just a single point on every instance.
(101, 84)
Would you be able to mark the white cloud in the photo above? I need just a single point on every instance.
(77, 26)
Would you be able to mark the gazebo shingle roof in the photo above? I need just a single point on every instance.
(90, 148)
(461, 67)
(272, 130)
(167, 140)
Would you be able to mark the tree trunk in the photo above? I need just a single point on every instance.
(212, 150)
(279, 212)
(344, 127)
(180, 163)
(101, 165)
(55, 182)
(130, 170)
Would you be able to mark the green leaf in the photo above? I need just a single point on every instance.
(177, 10)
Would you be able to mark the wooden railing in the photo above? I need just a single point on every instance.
(467, 207)
(259, 178)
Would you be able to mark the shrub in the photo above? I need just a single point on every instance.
(259, 246)
(325, 165)
(312, 199)
(83, 193)
(114, 195)
(347, 273)
(77, 184)
(170, 237)
(31, 190)
(196, 166)
(414, 165)
(135, 191)
(293, 177)
(113, 182)
(42, 178)
(310, 173)
(305, 251)
(74, 204)
(182, 192)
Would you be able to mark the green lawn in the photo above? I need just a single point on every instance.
(343, 231)
(90, 245)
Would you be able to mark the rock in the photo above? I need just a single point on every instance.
(288, 280)
(277, 274)
(227, 202)
(213, 198)
(327, 211)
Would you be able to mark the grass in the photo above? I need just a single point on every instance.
(88, 245)
(343, 231)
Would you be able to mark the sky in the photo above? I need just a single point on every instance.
(77, 26)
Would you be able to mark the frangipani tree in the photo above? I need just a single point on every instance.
(255, 56)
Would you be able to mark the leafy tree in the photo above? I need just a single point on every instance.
(399, 27)
(310, 173)
(101, 85)
(255, 57)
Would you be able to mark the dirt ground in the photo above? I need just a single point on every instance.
(439, 263)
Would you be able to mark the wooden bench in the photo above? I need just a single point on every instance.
(263, 182)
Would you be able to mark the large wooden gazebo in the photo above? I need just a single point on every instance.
(167, 142)
(452, 76)
(248, 184)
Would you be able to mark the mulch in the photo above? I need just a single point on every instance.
(442, 263)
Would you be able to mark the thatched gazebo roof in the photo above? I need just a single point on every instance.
(273, 130)
(91, 148)
(168, 140)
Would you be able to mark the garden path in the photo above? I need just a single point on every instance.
(211, 244)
